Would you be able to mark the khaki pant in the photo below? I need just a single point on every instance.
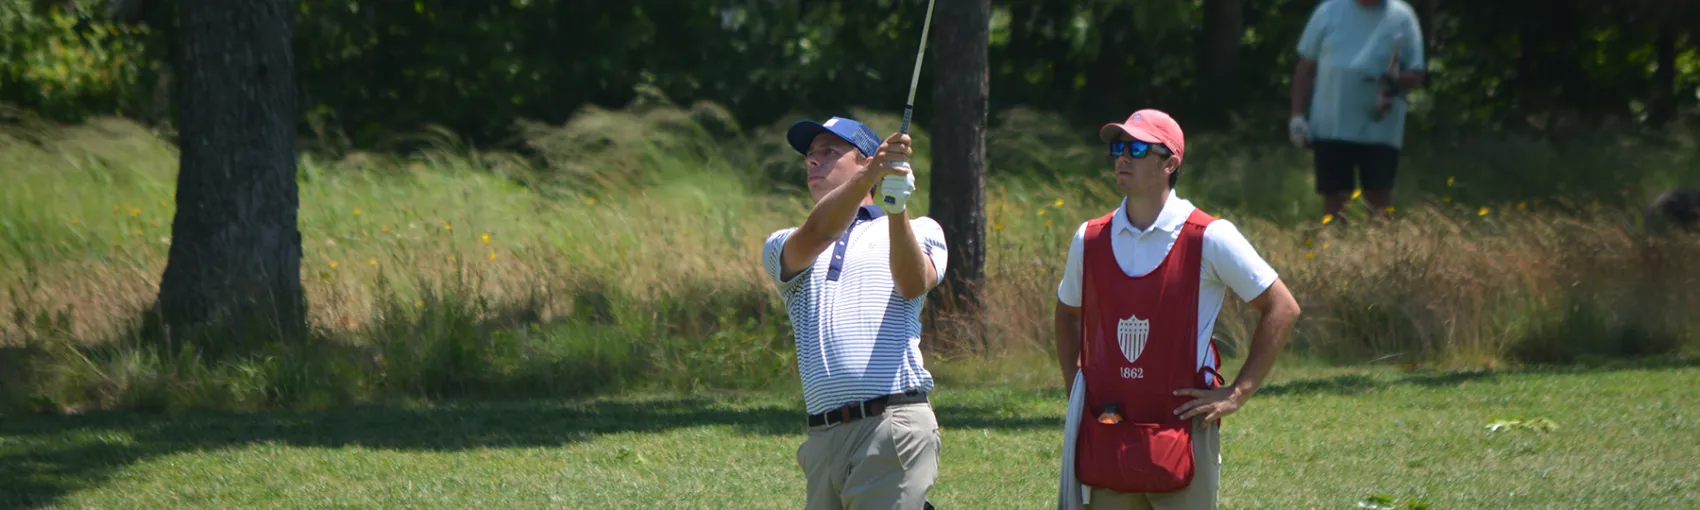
(1199, 495)
(885, 462)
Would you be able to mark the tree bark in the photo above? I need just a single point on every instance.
(234, 270)
(1107, 90)
(1662, 108)
(1219, 54)
(961, 88)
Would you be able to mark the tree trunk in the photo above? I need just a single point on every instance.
(234, 272)
(961, 88)
(1107, 91)
(1663, 106)
(1219, 54)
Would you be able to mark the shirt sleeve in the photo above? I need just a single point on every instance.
(772, 258)
(931, 237)
(1068, 292)
(1229, 259)
(1411, 51)
(1310, 42)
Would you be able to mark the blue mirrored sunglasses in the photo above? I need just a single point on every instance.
(1134, 148)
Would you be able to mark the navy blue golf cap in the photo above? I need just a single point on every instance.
(858, 134)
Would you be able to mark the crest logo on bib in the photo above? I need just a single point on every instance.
(1131, 333)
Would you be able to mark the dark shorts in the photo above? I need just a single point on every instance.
(1341, 165)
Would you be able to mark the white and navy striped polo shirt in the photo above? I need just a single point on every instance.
(857, 338)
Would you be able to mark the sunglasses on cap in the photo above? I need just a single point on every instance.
(1135, 149)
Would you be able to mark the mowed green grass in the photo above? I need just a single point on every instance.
(1315, 438)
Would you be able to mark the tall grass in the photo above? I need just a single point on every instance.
(623, 252)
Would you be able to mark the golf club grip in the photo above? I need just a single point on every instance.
(908, 111)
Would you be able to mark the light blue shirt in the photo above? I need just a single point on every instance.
(1351, 44)
(857, 338)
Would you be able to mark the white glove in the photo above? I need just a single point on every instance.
(894, 192)
(1298, 131)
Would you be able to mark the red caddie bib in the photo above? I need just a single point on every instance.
(1139, 343)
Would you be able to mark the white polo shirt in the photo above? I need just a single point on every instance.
(857, 338)
(1229, 262)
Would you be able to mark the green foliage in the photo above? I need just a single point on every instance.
(65, 62)
(370, 73)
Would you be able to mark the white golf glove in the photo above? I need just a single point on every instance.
(1298, 131)
(894, 192)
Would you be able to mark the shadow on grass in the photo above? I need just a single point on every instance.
(1353, 384)
(42, 459)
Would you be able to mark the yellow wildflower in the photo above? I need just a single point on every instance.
(357, 211)
(1390, 209)
(492, 255)
(1447, 199)
(1310, 255)
(998, 227)
(1047, 223)
(1357, 193)
(372, 262)
(1327, 218)
(134, 212)
(1522, 205)
(1482, 212)
(590, 201)
(1059, 203)
(386, 228)
(418, 304)
(485, 237)
(1041, 212)
(1449, 181)
(333, 264)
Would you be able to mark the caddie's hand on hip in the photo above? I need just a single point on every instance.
(1212, 404)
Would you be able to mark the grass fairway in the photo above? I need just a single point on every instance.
(1315, 438)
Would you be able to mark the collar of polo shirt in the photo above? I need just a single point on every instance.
(1170, 219)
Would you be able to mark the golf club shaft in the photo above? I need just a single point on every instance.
(915, 79)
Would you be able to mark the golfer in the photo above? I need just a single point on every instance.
(1357, 59)
(853, 278)
(1138, 301)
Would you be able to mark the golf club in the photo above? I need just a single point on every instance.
(909, 111)
(915, 79)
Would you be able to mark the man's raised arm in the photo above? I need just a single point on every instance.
(837, 210)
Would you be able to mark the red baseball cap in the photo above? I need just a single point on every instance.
(1149, 126)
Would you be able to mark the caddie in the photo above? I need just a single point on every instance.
(1138, 301)
(854, 277)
